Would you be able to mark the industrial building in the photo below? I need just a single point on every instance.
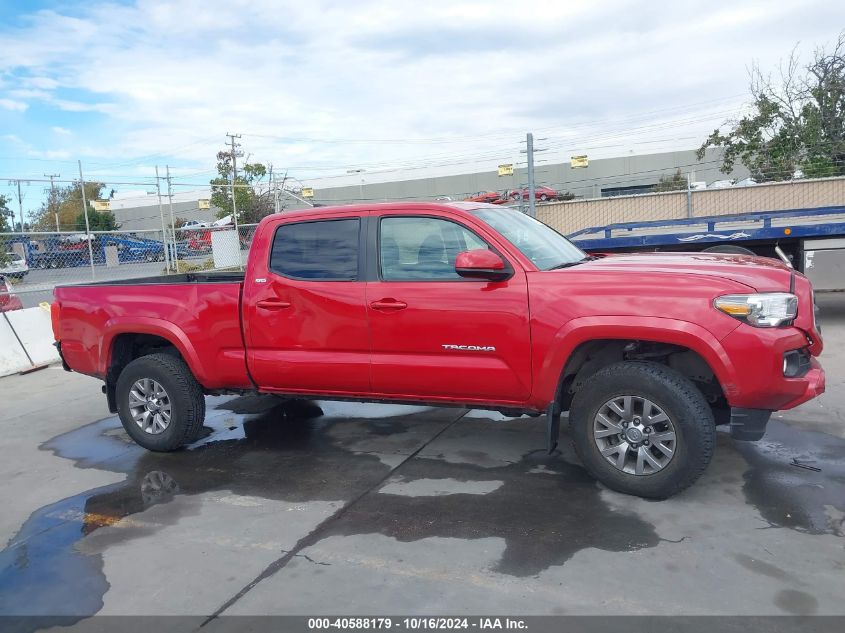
(623, 175)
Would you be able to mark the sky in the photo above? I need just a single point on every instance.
(396, 89)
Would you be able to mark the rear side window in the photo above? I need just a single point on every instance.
(326, 250)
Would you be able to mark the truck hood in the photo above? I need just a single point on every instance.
(762, 274)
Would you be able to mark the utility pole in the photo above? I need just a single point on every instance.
(53, 196)
(234, 155)
(163, 225)
(689, 195)
(20, 206)
(172, 220)
(529, 143)
(532, 187)
(87, 225)
(273, 191)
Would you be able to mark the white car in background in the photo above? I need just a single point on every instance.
(194, 224)
(14, 266)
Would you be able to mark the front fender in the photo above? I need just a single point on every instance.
(149, 325)
(656, 329)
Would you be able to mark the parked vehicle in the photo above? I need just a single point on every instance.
(8, 300)
(194, 224)
(490, 197)
(462, 304)
(15, 266)
(811, 241)
(540, 193)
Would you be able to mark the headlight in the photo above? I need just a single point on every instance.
(766, 309)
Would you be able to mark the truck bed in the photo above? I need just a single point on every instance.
(199, 312)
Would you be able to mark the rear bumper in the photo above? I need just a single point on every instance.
(58, 346)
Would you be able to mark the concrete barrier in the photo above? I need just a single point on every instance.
(26, 340)
(12, 355)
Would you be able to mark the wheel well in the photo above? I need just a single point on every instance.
(591, 356)
(126, 348)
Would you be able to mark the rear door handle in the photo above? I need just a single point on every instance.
(388, 305)
(272, 304)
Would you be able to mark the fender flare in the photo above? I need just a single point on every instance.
(655, 329)
(149, 325)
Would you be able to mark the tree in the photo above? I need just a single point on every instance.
(796, 123)
(97, 221)
(6, 214)
(67, 203)
(675, 182)
(252, 206)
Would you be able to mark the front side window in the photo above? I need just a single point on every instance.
(544, 246)
(420, 248)
(326, 250)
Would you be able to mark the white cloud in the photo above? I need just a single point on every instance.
(61, 131)
(12, 104)
(301, 79)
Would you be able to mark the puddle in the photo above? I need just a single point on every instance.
(544, 519)
(789, 496)
(544, 508)
(254, 446)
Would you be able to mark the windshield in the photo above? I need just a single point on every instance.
(544, 246)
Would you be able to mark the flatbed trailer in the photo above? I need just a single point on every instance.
(810, 240)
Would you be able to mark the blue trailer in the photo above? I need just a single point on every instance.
(810, 240)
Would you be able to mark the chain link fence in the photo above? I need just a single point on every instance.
(568, 217)
(33, 263)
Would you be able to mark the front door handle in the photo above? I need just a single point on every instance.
(388, 305)
(272, 304)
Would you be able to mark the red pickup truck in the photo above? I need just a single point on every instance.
(462, 304)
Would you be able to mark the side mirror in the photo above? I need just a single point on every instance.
(482, 263)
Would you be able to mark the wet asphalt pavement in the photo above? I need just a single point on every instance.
(322, 507)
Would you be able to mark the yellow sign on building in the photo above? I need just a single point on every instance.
(101, 205)
(506, 170)
(307, 192)
(203, 203)
(578, 161)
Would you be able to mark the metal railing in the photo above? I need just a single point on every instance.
(32, 264)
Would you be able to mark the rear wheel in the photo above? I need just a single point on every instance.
(159, 402)
(643, 429)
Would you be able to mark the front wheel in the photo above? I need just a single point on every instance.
(160, 403)
(643, 429)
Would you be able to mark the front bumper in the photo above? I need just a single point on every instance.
(757, 380)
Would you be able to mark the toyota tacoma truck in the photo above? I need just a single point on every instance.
(469, 305)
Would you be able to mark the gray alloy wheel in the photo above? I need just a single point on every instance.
(149, 406)
(160, 403)
(634, 435)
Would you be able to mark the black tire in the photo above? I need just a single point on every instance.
(184, 392)
(695, 430)
(544, 197)
(730, 249)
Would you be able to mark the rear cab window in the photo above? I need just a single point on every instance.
(324, 250)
